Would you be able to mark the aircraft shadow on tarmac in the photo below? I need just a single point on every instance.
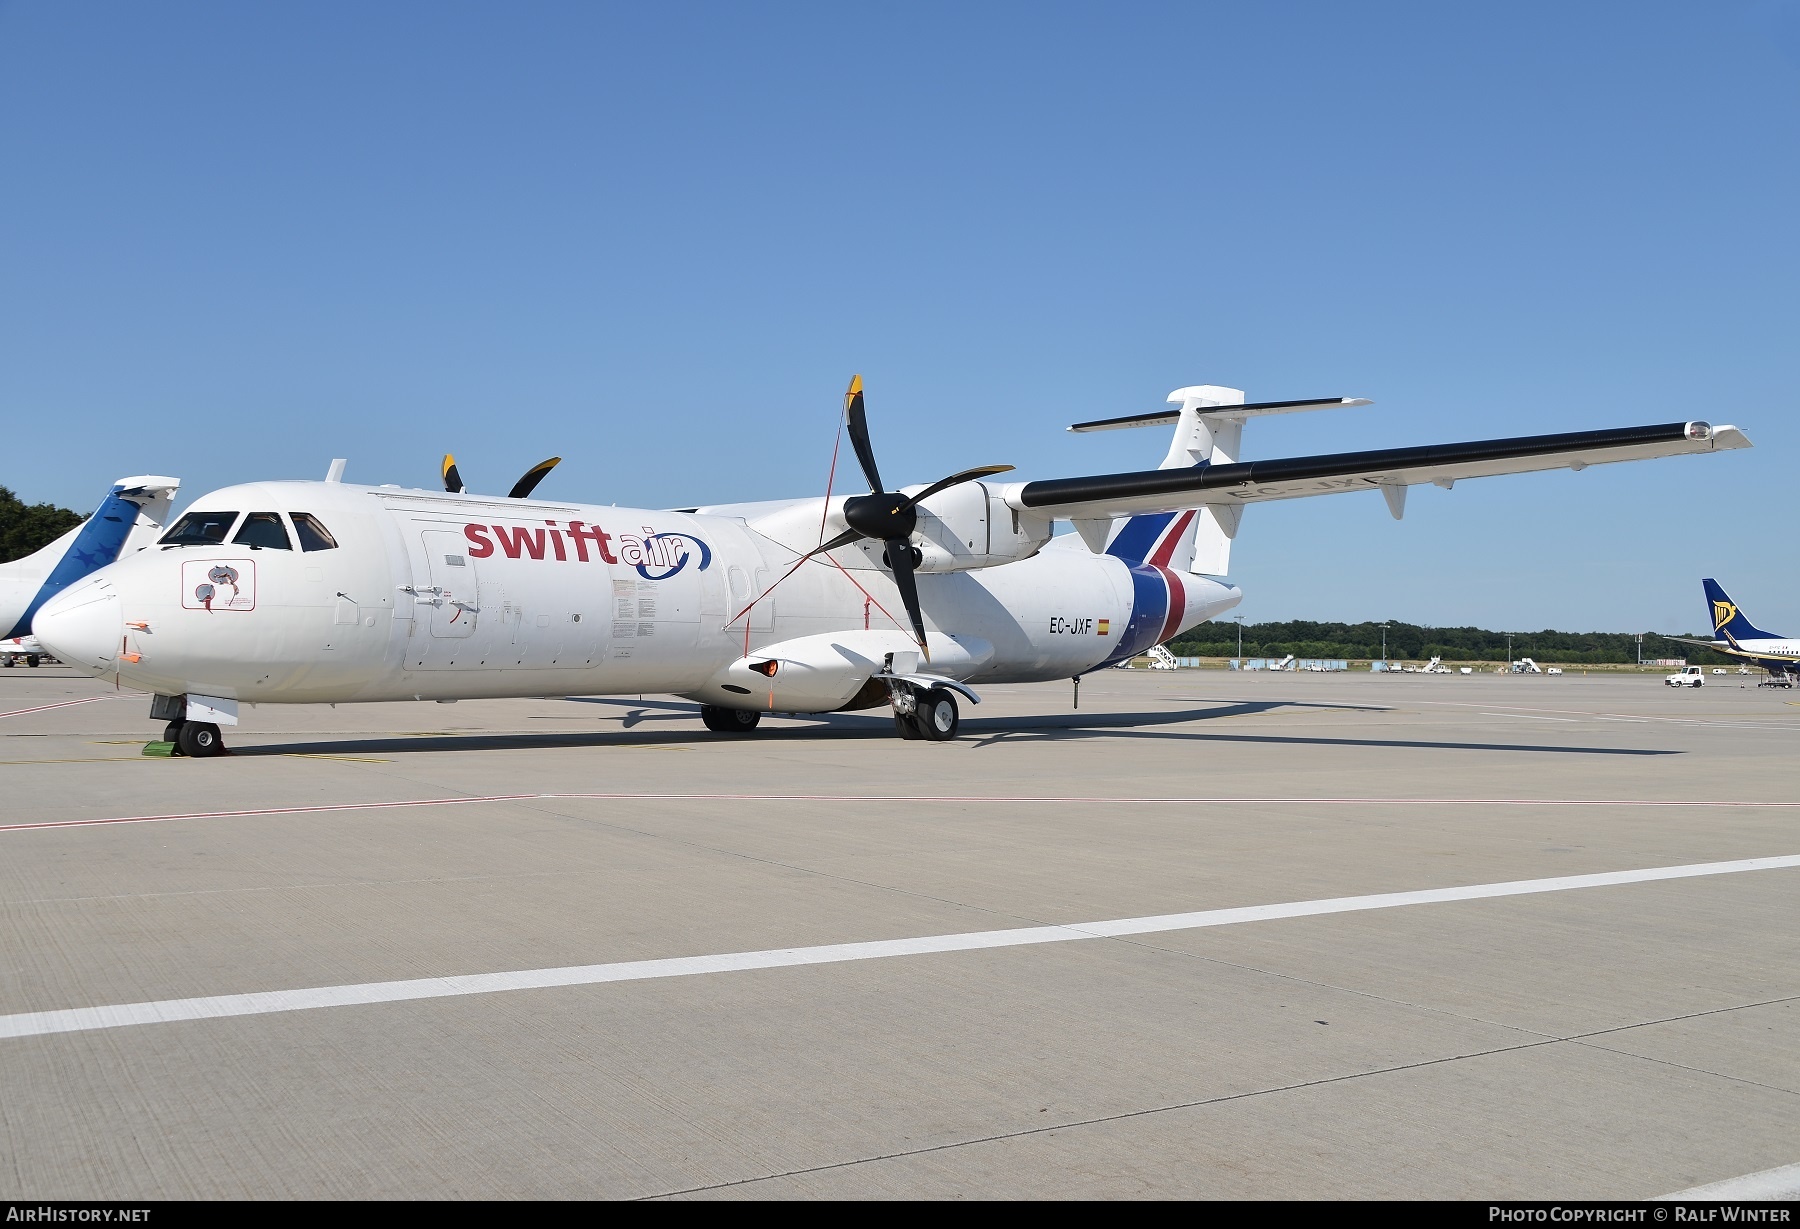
(981, 732)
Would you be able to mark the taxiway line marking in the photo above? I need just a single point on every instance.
(1727, 724)
(214, 1007)
(44, 708)
(1027, 799)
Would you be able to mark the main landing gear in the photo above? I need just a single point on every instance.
(929, 714)
(729, 720)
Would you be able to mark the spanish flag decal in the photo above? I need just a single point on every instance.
(1104, 624)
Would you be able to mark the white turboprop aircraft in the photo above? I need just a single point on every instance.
(131, 517)
(309, 592)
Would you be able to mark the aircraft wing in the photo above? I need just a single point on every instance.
(1390, 469)
(1717, 646)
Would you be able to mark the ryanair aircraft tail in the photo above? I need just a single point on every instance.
(1728, 622)
(130, 518)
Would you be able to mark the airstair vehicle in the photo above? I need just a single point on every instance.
(1162, 659)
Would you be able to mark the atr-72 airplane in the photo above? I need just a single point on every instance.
(310, 592)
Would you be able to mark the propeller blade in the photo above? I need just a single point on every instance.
(944, 484)
(899, 554)
(453, 482)
(859, 434)
(843, 539)
(526, 485)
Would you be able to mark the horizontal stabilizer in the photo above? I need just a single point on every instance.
(1164, 418)
(1156, 490)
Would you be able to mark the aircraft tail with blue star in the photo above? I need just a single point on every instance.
(131, 517)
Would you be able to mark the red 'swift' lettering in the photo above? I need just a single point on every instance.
(517, 540)
(578, 533)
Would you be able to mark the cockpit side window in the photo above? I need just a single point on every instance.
(312, 535)
(263, 529)
(200, 529)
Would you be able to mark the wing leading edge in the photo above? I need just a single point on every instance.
(1163, 490)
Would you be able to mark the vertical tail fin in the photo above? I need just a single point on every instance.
(1198, 540)
(1727, 621)
(129, 518)
(1209, 430)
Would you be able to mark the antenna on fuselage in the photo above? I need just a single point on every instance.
(336, 472)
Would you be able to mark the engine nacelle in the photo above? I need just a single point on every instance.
(970, 526)
(824, 673)
(965, 527)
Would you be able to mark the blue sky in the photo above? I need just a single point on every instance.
(239, 240)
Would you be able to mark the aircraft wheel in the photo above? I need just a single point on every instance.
(937, 715)
(200, 739)
(729, 720)
(172, 734)
(907, 726)
(8, 663)
(32, 662)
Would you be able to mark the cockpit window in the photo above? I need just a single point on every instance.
(263, 529)
(200, 529)
(313, 535)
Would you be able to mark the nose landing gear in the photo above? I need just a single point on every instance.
(199, 739)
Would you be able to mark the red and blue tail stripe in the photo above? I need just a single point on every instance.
(1158, 598)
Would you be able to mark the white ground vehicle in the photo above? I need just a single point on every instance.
(1689, 676)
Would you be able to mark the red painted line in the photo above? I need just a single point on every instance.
(44, 708)
(1033, 799)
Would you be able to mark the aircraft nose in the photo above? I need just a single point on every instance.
(83, 625)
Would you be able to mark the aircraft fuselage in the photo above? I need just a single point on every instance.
(439, 597)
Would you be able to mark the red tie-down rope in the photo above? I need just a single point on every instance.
(824, 513)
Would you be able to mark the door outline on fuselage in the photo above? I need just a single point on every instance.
(455, 606)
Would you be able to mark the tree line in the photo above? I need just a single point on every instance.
(1414, 642)
(25, 527)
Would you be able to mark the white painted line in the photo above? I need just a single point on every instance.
(1768, 1186)
(959, 799)
(44, 708)
(1575, 712)
(166, 1011)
